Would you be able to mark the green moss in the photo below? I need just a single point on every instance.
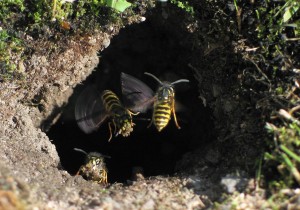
(9, 45)
(10, 7)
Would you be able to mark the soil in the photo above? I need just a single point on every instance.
(211, 156)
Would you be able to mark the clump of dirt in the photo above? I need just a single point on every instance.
(214, 152)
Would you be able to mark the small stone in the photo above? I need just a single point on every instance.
(234, 182)
(142, 19)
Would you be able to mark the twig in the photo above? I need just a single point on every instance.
(259, 69)
(287, 116)
(296, 108)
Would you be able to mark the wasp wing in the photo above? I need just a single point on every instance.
(89, 110)
(137, 96)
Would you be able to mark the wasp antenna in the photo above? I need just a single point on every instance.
(179, 81)
(80, 150)
(106, 156)
(154, 77)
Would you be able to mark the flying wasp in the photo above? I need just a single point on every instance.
(94, 167)
(143, 98)
(92, 109)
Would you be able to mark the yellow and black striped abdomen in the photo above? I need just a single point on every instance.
(120, 116)
(111, 101)
(162, 114)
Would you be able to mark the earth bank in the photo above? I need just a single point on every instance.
(222, 124)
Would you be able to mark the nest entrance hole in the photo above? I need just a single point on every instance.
(157, 46)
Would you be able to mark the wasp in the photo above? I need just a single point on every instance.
(162, 101)
(92, 109)
(94, 167)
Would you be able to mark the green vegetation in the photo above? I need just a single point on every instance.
(271, 33)
(9, 41)
(278, 23)
(286, 147)
(18, 16)
(8, 8)
(278, 32)
(119, 5)
(285, 150)
(277, 29)
(9, 44)
(63, 9)
(274, 18)
(184, 5)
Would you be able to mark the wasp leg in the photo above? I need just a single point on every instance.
(78, 171)
(105, 177)
(133, 113)
(174, 114)
(150, 123)
(110, 133)
(116, 132)
(100, 181)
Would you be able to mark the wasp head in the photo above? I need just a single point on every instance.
(165, 92)
(95, 159)
(124, 124)
(94, 168)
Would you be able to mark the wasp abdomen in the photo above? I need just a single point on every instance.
(162, 115)
(110, 101)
